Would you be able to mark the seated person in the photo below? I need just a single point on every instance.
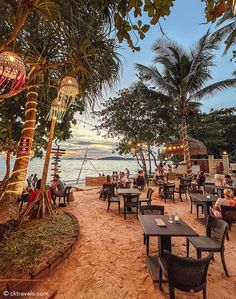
(200, 179)
(57, 187)
(35, 193)
(228, 200)
(228, 181)
(140, 179)
(109, 186)
(122, 180)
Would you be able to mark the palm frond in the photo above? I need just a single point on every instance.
(214, 88)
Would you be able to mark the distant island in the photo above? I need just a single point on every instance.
(115, 158)
(103, 158)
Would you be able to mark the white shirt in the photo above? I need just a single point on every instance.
(221, 202)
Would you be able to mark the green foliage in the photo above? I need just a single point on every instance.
(138, 115)
(216, 129)
(31, 244)
(184, 74)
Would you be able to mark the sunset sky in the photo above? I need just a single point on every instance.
(185, 26)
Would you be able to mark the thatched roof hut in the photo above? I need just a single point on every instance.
(175, 147)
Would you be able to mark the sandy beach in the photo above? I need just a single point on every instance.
(109, 259)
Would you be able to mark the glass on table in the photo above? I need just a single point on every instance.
(171, 217)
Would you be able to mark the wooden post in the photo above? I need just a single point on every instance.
(47, 156)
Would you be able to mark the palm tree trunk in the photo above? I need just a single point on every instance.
(149, 159)
(143, 162)
(8, 154)
(13, 190)
(184, 140)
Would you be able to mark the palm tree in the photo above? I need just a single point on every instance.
(51, 51)
(226, 32)
(183, 77)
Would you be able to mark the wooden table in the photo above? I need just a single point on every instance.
(128, 191)
(207, 201)
(164, 234)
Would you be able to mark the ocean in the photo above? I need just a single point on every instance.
(70, 169)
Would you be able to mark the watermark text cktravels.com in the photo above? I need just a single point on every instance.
(25, 294)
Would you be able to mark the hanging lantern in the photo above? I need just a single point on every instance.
(234, 7)
(12, 72)
(57, 110)
(69, 89)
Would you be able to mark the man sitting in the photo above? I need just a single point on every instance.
(57, 187)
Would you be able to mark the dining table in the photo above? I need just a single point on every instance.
(127, 192)
(164, 234)
(206, 200)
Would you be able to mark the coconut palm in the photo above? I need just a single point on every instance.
(183, 78)
(226, 32)
(50, 52)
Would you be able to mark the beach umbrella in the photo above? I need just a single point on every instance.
(12, 72)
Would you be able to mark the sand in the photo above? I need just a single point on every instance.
(109, 259)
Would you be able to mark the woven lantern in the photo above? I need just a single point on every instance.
(69, 89)
(57, 110)
(12, 72)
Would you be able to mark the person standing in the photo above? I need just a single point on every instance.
(219, 176)
(29, 181)
(34, 180)
(127, 173)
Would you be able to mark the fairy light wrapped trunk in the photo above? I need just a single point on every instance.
(12, 73)
(43, 205)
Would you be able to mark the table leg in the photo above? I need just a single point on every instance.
(164, 242)
(147, 245)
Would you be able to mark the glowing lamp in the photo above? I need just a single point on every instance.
(57, 110)
(12, 72)
(69, 89)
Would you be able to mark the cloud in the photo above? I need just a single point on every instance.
(85, 137)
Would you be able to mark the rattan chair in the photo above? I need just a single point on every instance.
(213, 241)
(182, 189)
(147, 199)
(197, 203)
(65, 197)
(131, 202)
(167, 192)
(185, 274)
(228, 215)
(112, 199)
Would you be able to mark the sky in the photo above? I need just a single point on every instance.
(186, 24)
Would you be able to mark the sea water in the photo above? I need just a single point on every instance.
(70, 168)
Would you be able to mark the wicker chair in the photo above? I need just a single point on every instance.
(196, 203)
(182, 189)
(148, 199)
(213, 241)
(150, 210)
(65, 197)
(185, 274)
(229, 216)
(112, 199)
(131, 201)
(167, 192)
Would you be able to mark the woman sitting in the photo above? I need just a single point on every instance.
(140, 180)
(228, 200)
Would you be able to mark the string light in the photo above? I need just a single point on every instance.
(31, 109)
